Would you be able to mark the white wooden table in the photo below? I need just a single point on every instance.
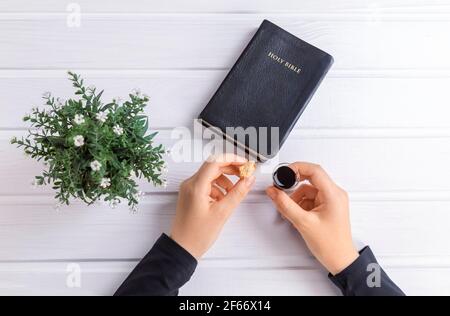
(379, 124)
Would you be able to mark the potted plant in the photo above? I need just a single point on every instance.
(93, 150)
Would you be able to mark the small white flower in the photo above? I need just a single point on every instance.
(60, 102)
(136, 91)
(118, 130)
(137, 197)
(113, 203)
(83, 103)
(101, 116)
(106, 182)
(92, 88)
(164, 183)
(95, 165)
(79, 119)
(78, 141)
(46, 95)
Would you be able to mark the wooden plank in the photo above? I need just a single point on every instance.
(103, 278)
(358, 164)
(215, 41)
(413, 281)
(230, 6)
(392, 152)
(31, 229)
(372, 99)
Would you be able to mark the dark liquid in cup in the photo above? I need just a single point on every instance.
(284, 177)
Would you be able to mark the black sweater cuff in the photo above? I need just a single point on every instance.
(180, 256)
(165, 269)
(365, 277)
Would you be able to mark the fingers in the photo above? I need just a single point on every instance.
(315, 174)
(305, 191)
(307, 205)
(216, 165)
(216, 193)
(226, 159)
(231, 170)
(236, 194)
(287, 207)
(223, 182)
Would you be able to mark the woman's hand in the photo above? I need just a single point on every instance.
(206, 201)
(320, 212)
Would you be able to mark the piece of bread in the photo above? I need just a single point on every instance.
(247, 169)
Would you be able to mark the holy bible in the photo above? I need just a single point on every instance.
(265, 92)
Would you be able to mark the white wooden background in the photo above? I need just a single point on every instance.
(379, 124)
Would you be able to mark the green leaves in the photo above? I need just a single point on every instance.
(70, 135)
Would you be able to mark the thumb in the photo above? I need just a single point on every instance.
(287, 206)
(237, 193)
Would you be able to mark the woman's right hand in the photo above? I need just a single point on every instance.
(320, 212)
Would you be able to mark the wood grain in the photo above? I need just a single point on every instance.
(375, 100)
(232, 6)
(214, 41)
(103, 278)
(378, 123)
(31, 229)
(358, 164)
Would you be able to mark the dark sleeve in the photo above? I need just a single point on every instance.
(165, 269)
(365, 277)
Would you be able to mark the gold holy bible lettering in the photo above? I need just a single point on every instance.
(287, 64)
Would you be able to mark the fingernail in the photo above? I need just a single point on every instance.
(249, 181)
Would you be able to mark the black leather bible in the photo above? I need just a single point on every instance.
(266, 91)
